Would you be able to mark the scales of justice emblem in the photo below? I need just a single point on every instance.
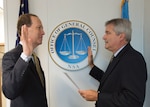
(68, 45)
(65, 49)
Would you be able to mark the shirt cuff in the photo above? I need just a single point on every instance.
(25, 57)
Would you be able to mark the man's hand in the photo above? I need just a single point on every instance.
(26, 41)
(90, 58)
(89, 95)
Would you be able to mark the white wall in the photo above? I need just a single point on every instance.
(94, 13)
(146, 34)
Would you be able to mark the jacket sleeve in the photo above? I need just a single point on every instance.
(13, 72)
(96, 73)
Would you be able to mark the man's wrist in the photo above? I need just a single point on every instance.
(92, 65)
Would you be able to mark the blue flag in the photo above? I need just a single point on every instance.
(124, 9)
(22, 10)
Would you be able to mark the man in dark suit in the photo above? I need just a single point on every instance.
(22, 83)
(123, 83)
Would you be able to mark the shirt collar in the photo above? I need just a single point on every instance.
(119, 51)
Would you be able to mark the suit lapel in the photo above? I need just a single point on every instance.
(109, 70)
(33, 69)
(32, 66)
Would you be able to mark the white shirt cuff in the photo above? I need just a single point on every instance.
(25, 57)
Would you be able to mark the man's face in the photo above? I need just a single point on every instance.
(111, 39)
(35, 31)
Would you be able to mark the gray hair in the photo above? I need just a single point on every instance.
(121, 26)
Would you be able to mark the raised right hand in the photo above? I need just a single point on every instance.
(90, 58)
(26, 41)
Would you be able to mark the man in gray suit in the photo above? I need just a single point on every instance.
(124, 82)
(23, 83)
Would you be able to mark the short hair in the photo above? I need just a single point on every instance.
(121, 25)
(24, 19)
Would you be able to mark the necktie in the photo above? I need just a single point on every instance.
(36, 61)
(112, 58)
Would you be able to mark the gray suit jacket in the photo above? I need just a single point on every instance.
(21, 83)
(124, 82)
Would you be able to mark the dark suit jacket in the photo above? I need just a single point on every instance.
(21, 83)
(124, 82)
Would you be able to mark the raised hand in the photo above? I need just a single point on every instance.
(26, 41)
(90, 58)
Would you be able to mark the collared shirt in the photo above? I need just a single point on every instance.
(119, 51)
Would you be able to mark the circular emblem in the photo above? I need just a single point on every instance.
(68, 44)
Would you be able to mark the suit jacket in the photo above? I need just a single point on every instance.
(123, 83)
(21, 83)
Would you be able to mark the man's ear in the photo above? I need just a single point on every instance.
(122, 36)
